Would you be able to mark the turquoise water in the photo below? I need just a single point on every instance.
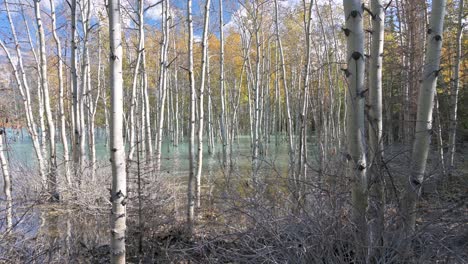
(175, 160)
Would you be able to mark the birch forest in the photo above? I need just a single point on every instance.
(233, 131)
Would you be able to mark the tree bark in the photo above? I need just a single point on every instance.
(375, 208)
(6, 181)
(190, 191)
(455, 88)
(424, 114)
(63, 128)
(117, 149)
(355, 130)
(201, 114)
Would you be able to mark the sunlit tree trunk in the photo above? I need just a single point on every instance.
(162, 82)
(146, 101)
(45, 90)
(63, 131)
(76, 91)
(355, 130)
(455, 87)
(6, 181)
(201, 112)
(376, 183)
(190, 191)
(424, 114)
(117, 149)
(23, 87)
(223, 117)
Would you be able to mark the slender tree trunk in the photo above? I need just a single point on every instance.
(63, 130)
(6, 181)
(190, 191)
(355, 130)
(162, 82)
(223, 117)
(376, 183)
(424, 114)
(50, 121)
(455, 88)
(201, 114)
(76, 91)
(25, 95)
(438, 134)
(117, 149)
(147, 116)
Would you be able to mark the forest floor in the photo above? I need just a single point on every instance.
(239, 225)
(252, 233)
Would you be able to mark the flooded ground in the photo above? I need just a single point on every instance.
(58, 233)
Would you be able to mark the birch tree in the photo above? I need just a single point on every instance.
(117, 149)
(45, 90)
(455, 87)
(376, 183)
(355, 100)
(75, 92)
(23, 86)
(201, 113)
(190, 191)
(6, 181)
(423, 131)
(222, 119)
(63, 128)
(162, 81)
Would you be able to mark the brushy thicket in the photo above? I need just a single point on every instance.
(238, 222)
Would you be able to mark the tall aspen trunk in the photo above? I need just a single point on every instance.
(50, 121)
(301, 170)
(376, 182)
(117, 149)
(92, 109)
(63, 127)
(438, 135)
(190, 191)
(286, 92)
(201, 113)
(84, 95)
(223, 117)
(26, 98)
(6, 181)
(355, 130)
(256, 96)
(455, 88)
(76, 91)
(162, 82)
(146, 113)
(424, 114)
(211, 146)
(176, 92)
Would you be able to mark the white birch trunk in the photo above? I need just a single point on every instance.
(50, 121)
(424, 114)
(6, 181)
(117, 148)
(63, 131)
(48, 111)
(223, 117)
(190, 191)
(355, 130)
(201, 113)
(162, 82)
(455, 88)
(376, 184)
(75, 94)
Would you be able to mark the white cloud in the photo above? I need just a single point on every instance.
(154, 13)
(45, 4)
